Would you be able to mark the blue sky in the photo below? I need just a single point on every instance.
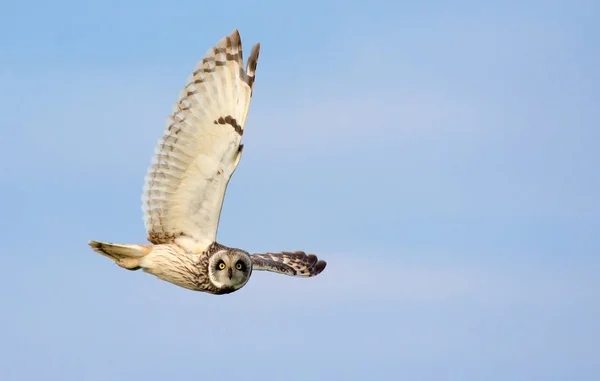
(441, 156)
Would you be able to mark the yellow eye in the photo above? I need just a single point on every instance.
(222, 266)
(239, 265)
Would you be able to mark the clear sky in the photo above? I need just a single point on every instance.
(441, 156)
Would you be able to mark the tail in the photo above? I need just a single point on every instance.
(126, 256)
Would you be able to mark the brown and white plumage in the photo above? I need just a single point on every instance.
(200, 149)
(295, 264)
(186, 183)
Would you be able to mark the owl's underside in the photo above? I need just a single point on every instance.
(186, 183)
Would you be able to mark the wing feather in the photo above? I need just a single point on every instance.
(200, 149)
(289, 263)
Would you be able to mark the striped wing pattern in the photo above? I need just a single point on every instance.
(200, 149)
(296, 263)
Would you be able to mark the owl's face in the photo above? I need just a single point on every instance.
(229, 270)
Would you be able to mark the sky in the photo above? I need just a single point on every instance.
(441, 156)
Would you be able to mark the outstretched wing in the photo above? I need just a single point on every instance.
(200, 149)
(295, 264)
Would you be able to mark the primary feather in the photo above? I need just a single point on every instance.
(200, 149)
(296, 263)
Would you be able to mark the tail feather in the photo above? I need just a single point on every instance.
(126, 256)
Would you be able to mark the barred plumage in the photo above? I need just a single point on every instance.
(186, 183)
(290, 263)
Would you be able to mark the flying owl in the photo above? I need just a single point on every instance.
(186, 182)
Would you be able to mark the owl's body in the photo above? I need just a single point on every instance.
(186, 183)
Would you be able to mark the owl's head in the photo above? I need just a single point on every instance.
(229, 269)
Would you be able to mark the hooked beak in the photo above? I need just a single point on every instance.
(230, 273)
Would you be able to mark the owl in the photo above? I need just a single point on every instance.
(186, 182)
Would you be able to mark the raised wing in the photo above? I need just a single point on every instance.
(200, 149)
(289, 263)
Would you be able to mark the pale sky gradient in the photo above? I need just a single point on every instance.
(441, 156)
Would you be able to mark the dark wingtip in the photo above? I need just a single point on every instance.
(319, 267)
(312, 259)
